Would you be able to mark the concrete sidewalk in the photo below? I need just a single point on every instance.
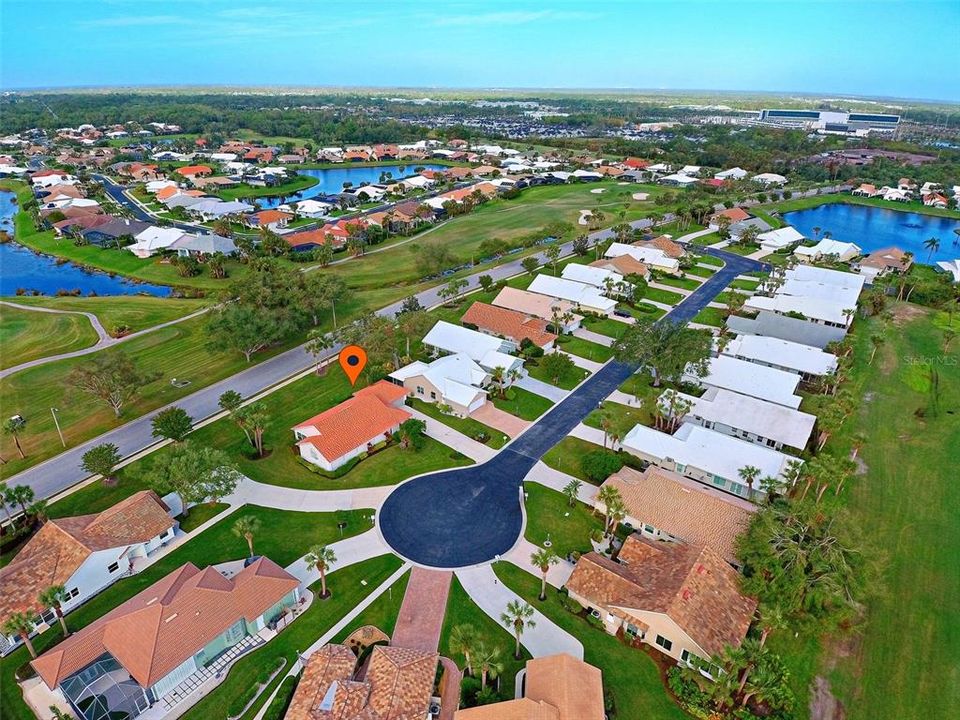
(285, 498)
(557, 575)
(478, 452)
(538, 387)
(590, 434)
(545, 638)
(349, 552)
(543, 474)
(593, 337)
(588, 365)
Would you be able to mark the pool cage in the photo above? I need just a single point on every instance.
(104, 690)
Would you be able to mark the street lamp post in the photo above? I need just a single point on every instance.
(53, 411)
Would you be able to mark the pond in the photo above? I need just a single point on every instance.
(873, 228)
(21, 267)
(331, 180)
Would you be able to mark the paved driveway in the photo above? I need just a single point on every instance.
(490, 414)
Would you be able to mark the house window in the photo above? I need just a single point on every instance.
(685, 655)
(73, 593)
(649, 528)
(113, 567)
(664, 643)
(433, 395)
(719, 481)
(419, 390)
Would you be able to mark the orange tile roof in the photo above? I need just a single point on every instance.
(159, 628)
(623, 264)
(167, 192)
(194, 170)
(61, 546)
(735, 214)
(665, 245)
(356, 421)
(690, 584)
(510, 324)
(265, 217)
(669, 503)
(520, 709)
(636, 163)
(397, 685)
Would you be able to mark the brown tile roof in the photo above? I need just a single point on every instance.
(690, 584)
(572, 686)
(61, 546)
(735, 214)
(623, 264)
(159, 628)
(397, 685)
(522, 709)
(682, 508)
(265, 217)
(509, 323)
(357, 420)
(891, 257)
(666, 245)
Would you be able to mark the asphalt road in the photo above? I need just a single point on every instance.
(457, 518)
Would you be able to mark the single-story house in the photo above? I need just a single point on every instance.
(624, 265)
(605, 280)
(664, 506)
(395, 683)
(678, 180)
(110, 232)
(85, 554)
(203, 245)
(865, 190)
(936, 200)
(683, 600)
(509, 324)
(768, 179)
(747, 378)
(734, 215)
(650, 256)
(734, 173)
(665, 244)
(555, 687)
(352, 428)
(158, 640)
(745, 417)
(950, 266)
(540, 306)
(706, 456)
(313, 208)
(81, 223)
(583, 296)
(487, 351)
(827, 248)
(213, 209)
(690, 170)
(452, 380)
(880, 262)
(807, 361)
(155, 239)
(271, 219)
(191, 171)
(774, 240)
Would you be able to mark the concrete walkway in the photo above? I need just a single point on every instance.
(478, 452)
(582, 362)
(543, 474)
(690, 237)
(349, 552)
(593, 337)
(545, 638)
(104, 341)
(284, 498)
(420, 619)
(557, 575)
(541, 388)
(669, 288)
(591, 434)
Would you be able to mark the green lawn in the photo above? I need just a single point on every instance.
(522, 403)
(461, 610)
(699, 271)
(708, 259)
(467, 426)
(744, 284)
(550, 517)
(585, 348)
(664, 296)
(137, 312)
(629, 675)
(249, 192)
(567, 381)
(284, 537)
(381, 613)
(565, 456)
(685, 283)
(711, 316)
(199, 514)
(644, 309)
(605, 326)
(624, 417)
(28, 335)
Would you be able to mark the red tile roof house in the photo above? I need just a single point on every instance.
(85, 554)
(189, 171)
(168, 639)
(272, 219)
(336, 436)
(508, 324)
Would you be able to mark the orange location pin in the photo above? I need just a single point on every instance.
(353, 359)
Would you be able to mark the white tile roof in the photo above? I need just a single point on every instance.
(783, 353)
(781, 237)
(458, 378)
(814, 308)
(590, 275)
(759, 381)
(651, 256)
(579, 293)
(484, 349)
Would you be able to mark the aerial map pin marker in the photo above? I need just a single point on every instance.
(353, 359)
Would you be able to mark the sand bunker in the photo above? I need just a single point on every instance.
(597, 191)
(641, 196)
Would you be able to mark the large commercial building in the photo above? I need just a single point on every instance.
(831, 121)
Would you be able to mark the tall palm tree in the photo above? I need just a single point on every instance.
(19, 623)
(764, 683)
(246, 527)
(488, 659)
(616, 511)
(53, 598)
(321, 558)
(544, 558)
(609, 496)
(932, 245)
(572, 491)
(749, 474)
(464, 639)
(771, 618)
(519, 617)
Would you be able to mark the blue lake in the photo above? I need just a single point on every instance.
(331, 180)
(873, 228)
(20, 267)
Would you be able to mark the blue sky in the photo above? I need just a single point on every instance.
(869, 47)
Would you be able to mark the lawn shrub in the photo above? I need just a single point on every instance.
(600, 464)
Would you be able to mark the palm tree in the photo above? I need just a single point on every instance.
(609, 496)
(572, 491)
(543, 558)
(771, 618)
(616, 511)
(246, 527)
(321, 558)
(933, 245)
(464, 639)
(53, 598)
(519, 616)
(498, 375)
(488, 658)
(749, 474)
(19, 623)
(20, 495)
(764, 683)
(13, 426)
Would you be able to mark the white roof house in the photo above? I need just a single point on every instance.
(154, 239)
(826, 276)
(417, 182)
(747, 378)
(843, 251)
(750, 419)
(650, 256)
(816, 309)
(155, 186)
(735, 173)
(781, 354)
(678, 179)
(769, 179)
(211, 209)
(691, 170)
(709, 457)
(779, 238)
(595, 276)
(950, 266)
(537, 305)
(458, 378)
(585, 296)
(488, 351)
(313, 208)
(820, 291)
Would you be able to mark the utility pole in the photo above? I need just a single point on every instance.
(53, 411)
